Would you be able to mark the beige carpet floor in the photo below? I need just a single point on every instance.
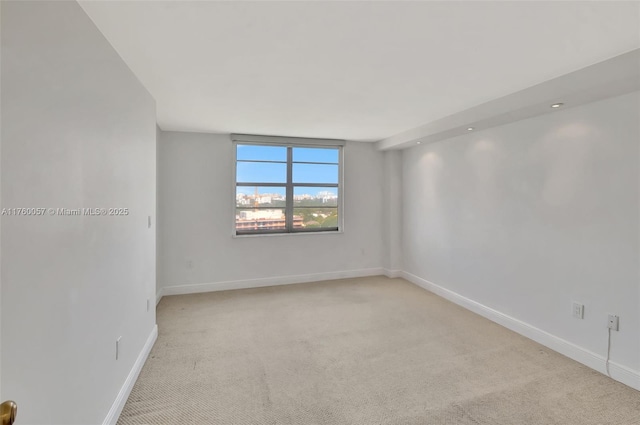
(358, 351)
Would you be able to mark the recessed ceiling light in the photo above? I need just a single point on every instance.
(470, 129)
(418, 142)
(557, 105)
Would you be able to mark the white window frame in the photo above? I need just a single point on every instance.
(289, 142)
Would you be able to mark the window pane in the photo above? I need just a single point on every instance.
(315, 173)
(263, 207)
(256, 220)
(261, 196)
(315, 196)
(261, 172)
(317, 218)
(315, 155)
(262, 153)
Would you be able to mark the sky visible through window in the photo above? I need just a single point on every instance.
(276, 172)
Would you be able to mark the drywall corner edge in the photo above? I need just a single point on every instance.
(159, 295)
(392, 274)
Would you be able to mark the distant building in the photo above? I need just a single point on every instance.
(261, 214)
(265, 220)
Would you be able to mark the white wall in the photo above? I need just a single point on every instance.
(195, 190)
(392, 213)
(78, 131)
(158, 222)
(528, 217)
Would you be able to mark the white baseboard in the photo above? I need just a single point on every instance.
(159, 295)
(123, 395)
(269, 281)
(392, 274)
(588, 358)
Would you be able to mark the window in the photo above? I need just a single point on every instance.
(287, 185)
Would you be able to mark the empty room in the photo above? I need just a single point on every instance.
(319, 212)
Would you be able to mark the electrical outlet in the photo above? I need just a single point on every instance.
(578, 310)
(118, 347)
(613, 322)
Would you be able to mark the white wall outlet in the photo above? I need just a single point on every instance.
(613, 322)
(189, 264)
(118, 347)
(578, 310)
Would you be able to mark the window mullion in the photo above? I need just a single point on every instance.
(289, 191)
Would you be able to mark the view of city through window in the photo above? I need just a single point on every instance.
(266, 174)
(314, 209)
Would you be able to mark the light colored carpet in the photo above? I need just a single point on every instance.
(358, 351)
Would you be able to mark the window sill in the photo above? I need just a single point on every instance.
(258, 235)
